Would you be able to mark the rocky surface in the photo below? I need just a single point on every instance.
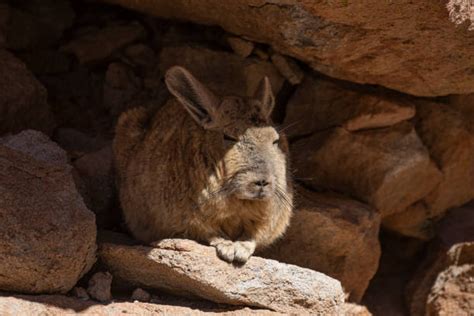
(57, 305)
(353, 254)
(98, 45)
(23, 100)
(47, 236)
(100, 285)
(407, 50)
(443, 282)
(221, 70)
(388, 168)
(96, 171)
(320, 103)
(186, 268)
(446, 133)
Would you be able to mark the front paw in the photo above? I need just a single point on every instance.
(239, 251)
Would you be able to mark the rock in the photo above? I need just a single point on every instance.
(461, 11)
(46, 61)
(355, 310)
(465, 105)
(224, 73)
(260, 53)
(97, 173)
(186, 268)
(389, 168)
(140, 295)
(121, 86)
(319, 104)
(140, 54)
(37, 24)
(403, 46)
(353, 254)
(452, 251)
(80, 293)
(47, 236)
(100, 285)
(386, 293)
(58, 305)
(453, 291)
(446, 135)
(240, 46)
(97, 46)
(75, 141)
(36, 145)
(23, 100)
(288, 68)
(416, 222)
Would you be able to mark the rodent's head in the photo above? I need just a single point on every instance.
(254, 156)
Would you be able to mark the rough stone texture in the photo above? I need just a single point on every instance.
(80, 293)
(96, 46)
(451, 252)
(100, 285)
(449, 137)
(57, 305)
(320, 103)
(96, 171)
(355, 310)
(240, 46)
(36, 145)
(288, 68)
(406, 46)
(451, 145)
(465, 105)
(37, 23)
(453, 291)
(184, 267)
(23, 100)
(416, 221)
(120, 87)
(225, 73)
(140, 295)
(47, 236)
(351, 256)
(388, 168)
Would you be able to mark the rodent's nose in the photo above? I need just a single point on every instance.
(261, 183)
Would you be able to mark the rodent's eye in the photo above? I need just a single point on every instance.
(229, 138)
(276, 141)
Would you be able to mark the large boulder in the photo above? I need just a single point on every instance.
(225, 73)
(406, 46)
(187, 268)
(447, 135)
(335, 235)
(96, 46)
(443, 282)
(388, 168)
(321, 103)
(47, 236)
(23, 100)
(59, 305)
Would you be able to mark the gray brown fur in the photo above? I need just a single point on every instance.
(179, 176)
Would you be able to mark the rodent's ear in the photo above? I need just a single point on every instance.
(265, 95)
(196, 98)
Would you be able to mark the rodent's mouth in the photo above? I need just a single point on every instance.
(255, 196)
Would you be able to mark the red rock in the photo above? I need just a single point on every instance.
(353, 253)
(405, 46)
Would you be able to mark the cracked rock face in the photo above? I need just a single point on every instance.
(47, 235)
(187, 268)
(412, 47)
